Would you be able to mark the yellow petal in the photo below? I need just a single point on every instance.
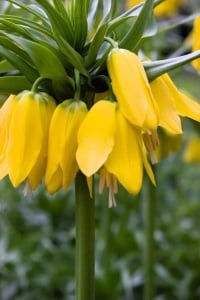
(125, 160)
(185, 105)
(188, 107)
(75, 115)
(5, 115)
(55, 181)
(96, 137)
(25, 136)
(169, 118)
(36, 174)
(147, 165)
(62, 147)
(132, 89)
(196, 42)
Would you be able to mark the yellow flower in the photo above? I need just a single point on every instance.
(131, 88)
(165, 96)
(61, 166)
(192, 151)
(173, 103)
(132, 3)
(166, 8)
(107, 140)
(5, 116)
(96, 137)
(196, 42)
(26, 148)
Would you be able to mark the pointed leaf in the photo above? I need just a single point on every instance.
(59, 24)
(135, 33)
(48, 65)
(95, 45)
(14, 84)
(79, 16)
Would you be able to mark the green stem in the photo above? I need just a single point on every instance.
(36, 84)
(85, 235)
(78, 85)
(149, 217)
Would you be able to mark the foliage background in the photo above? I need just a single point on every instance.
(37, 235)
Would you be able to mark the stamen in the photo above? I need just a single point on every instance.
(110, 181)
(151, 142)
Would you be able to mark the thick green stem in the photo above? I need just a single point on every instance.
(85, 235)
(149, 217)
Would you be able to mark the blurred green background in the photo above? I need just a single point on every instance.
(37, 233)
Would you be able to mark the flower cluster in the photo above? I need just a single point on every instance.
(113, 138)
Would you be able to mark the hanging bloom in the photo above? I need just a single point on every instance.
(192, 151)
(25, 140)
(131, 88)
(107, 140)
(171, 102)
(96, 137)
(196, 42)
(188, 107)
(165, 97)
(61, 166)
(165, 8)
(5, 116)
(132, 3)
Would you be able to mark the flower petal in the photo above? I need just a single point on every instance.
(62, 147)
(169, 118)
(96, 137)
(125, 160)
(36, 174)
(188, 107)
(25, 137)
(196, 42)
(131, 88)
(75, 115)
(5, 116)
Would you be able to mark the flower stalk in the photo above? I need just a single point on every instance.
(85, 236)
(149, 220)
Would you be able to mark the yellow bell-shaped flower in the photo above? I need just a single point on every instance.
(107, 140)
(165, 8)
(27, 137)
(196, 42)
(5, 117)
(131, 88)
(173, 103)
(165, 97)
(61, 165)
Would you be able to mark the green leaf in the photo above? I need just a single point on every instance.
(14, 84)
(19, 64)
(48, 65)
(79, 19)
(61, 8)
(157, 68)
(74, 58)
(59, 25)
(9, 43)
(135, 33)
(95, 45)
(27, 24)
(32, 11)
(5, 67)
